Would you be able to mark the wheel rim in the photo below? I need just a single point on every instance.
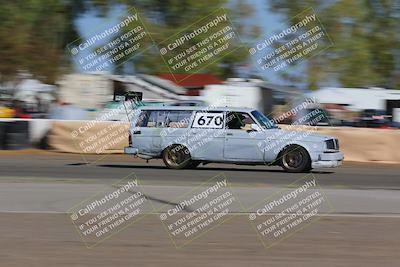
(293, 159)
(177, 156)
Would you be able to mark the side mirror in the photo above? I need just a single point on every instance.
(255, 127)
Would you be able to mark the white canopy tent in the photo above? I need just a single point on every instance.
(356, 98)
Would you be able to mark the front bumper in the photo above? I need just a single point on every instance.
(328, 160)
(131, 150)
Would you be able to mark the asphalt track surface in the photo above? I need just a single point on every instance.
(37, 188)
(38, 164)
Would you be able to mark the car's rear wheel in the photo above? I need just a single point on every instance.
(177, 157)
(295, 159)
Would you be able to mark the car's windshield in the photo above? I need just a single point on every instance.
(263, 120)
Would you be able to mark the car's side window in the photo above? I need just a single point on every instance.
(209, 119)
(142, 119)
(164, 118)
(151, 119)
(239, 121)
(178, 119)
(161, 118)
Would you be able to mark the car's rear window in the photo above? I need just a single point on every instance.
(164, 118)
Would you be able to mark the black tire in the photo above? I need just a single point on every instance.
(295, 159)
(177, 157)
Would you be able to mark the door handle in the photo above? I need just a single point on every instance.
(137, 132)
(230, 134)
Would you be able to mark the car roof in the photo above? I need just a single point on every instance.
(196, 108)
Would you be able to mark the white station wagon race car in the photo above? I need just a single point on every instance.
(185, 137)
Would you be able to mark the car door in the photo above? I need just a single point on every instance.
(176, 127)
(146, 133)
(241, 142)
(206, 135)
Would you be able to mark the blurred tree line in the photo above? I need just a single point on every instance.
(365, 33)
(366, 37)
(34, 33)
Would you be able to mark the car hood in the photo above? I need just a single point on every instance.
(299, 135)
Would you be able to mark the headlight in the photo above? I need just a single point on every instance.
(332, 144)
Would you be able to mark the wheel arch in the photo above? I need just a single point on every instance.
(175, 144)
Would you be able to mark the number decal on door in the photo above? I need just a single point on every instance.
(208, 120)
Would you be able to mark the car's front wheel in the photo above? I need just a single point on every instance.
(177, 157)
(295, 159)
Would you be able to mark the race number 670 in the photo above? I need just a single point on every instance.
(208, 120)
